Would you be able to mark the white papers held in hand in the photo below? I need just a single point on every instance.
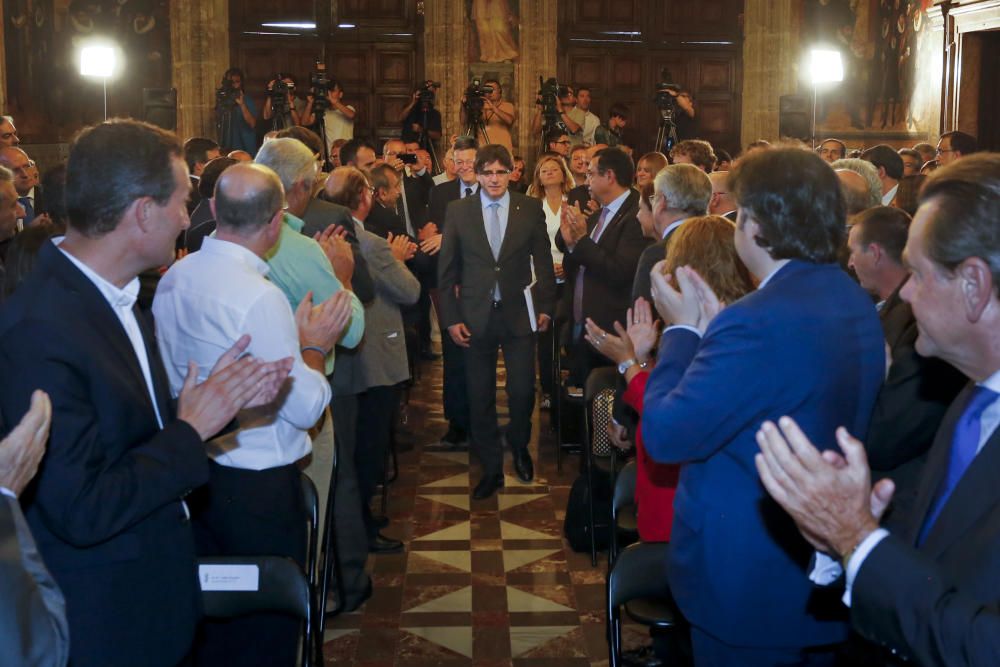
(529, 301)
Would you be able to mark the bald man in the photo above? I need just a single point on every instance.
(722, 202)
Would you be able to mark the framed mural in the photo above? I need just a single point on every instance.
(45, 91)
(493, 34)
(892, 74)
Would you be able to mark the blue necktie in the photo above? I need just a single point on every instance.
(29, 210)
(964, 446)
(495, 236)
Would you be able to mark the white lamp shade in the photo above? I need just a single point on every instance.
(825, 66)
(98, 61)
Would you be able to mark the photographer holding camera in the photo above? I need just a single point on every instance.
(421, 121)
(687, 126)
(558, 105)
(497, 116)
(325, 110)
(236, 113)
(282, 107)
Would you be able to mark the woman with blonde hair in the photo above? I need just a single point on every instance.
(707, 245)
(551, 183)
(648, 167)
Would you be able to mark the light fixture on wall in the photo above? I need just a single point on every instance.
(825, 66)
(100, 60)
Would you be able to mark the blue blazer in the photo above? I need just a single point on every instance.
(105, 505)
(808, 345)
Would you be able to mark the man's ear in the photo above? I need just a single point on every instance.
(142, 210)
(977, 286)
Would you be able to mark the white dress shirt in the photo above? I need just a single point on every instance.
(203, 304)
(890, 195)
(552, 227)
(121, 301)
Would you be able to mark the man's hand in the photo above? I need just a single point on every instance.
(572, 225)
(557, 268)
(428, 230)
(460, 334)
(236, 382)
(830, 497)
(338, 250)
(543, 322)
(694, 305)
(618, 436)
(643, 329)
(22, 450)
(322, 325)
(431, 245)
(402, 248)
(591, 208)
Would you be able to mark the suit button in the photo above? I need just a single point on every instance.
(496, 269)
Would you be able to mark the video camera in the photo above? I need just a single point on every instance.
(426, 94)
(279, 93)
(666, 95)
(319, 86)
(474, 103)
(549, 93)
(226, 94)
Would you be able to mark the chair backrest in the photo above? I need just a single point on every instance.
(237, 585)
(310, 497)
(624, 494)
(640, 571)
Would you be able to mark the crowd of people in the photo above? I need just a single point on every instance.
(807, 342)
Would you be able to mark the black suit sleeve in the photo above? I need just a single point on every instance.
(450, 271)
(86, 490)
(901, 600)
(361, 278)
(613, 267)
(545, 278)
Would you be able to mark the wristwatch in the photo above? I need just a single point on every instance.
(629, 363)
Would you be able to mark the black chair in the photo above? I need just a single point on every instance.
(638, 580)
(563, 401)
(599, 398)
(328, 557)
(624, 529)
(282, 587)
(310, 497)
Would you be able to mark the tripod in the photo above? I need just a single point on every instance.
(476, 128)
(666, 135)
(224, 124)
(425, 139)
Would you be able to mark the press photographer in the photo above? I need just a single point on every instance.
(677, 116)
(235, 114)
(282, 107)
(325, 110)
(557, 110)
(421, 121)
(495, 115)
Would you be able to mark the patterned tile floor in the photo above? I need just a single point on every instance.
(490, 583)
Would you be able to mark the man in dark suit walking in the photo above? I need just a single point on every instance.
(601, 255)
(490, 243)
(925, 589)
(456, 395)
(107, 506)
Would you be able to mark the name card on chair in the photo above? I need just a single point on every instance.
(229, 577)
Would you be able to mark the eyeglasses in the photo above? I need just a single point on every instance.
(564, 142)
(942, 152)
(464, 163)
(498, 172)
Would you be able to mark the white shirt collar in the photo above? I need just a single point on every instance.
(235, 251)
(890, 195)
(117, 297)
(359, 223)
(671, 227)
(616, 204)
(992, 382)
(768, 277)
(462, 185)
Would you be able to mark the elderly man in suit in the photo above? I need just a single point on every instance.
(381, 360)
(807, 343)
(925, 588)
(600, 255)
(490, 243)
(33, 629)
(107, 506)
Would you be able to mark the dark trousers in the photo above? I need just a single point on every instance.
(481, 377)
(455, 393)
(352, 537)
(377, 409)
(582, 357)
(250, 513)
(711, 652)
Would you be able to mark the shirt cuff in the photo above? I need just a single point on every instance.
(858, 558)
(825, 571)
(7, 492)
(686, 327)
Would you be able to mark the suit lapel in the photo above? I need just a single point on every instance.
(95, 308)
(161, 384)
(615, 219)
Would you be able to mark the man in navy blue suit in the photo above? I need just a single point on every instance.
(807, 343)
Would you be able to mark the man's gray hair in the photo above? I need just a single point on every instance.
(6, 175)
(290, 159)
(685, 187)
(866, 170)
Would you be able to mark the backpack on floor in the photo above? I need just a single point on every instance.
(576, 526)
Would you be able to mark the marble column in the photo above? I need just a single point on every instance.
(3, 63)
(539, 36)
(199, 44)
(770, 64)
(446, 34)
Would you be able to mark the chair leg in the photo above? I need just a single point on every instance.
(328, 555)
(589, 458)
(614, 630)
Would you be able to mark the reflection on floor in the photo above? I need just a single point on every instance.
(486, 583)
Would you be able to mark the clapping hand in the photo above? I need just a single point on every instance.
(22, 450)
(431, 245)
(338, 250)
(643, 329)
(572, 225)
(403, 249)
(694, 305)
(321, 326)
(616, 348)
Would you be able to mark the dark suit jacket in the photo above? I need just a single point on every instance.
(382, 221)
(641, 285)
(417, 191)
(105, 506)
(440, 196)
(910, 405)
(936, 604)
(33, 629)
(611, 264)
(737, 564)
(321, 214)
(467, 261)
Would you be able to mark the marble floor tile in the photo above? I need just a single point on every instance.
(454, 640)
